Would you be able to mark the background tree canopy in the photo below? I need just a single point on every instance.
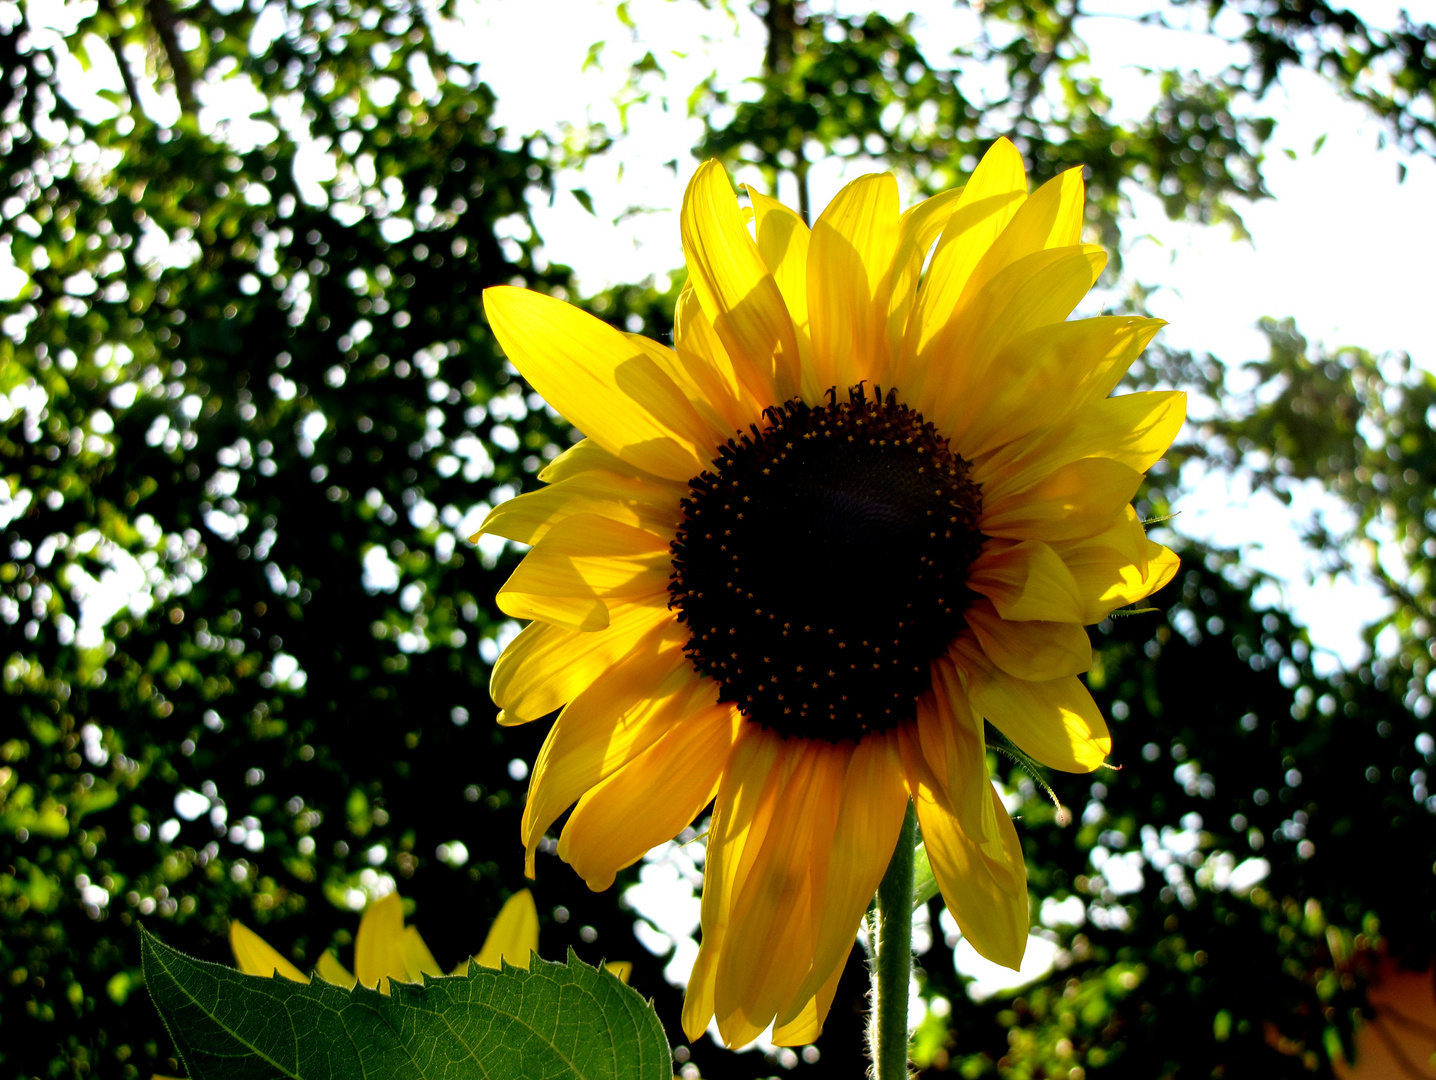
(266, 409)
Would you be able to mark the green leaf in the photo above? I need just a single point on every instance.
(585, 200)
(556, 1021)
(924, 881)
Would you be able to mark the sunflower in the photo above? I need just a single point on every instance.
(385, 949)
(860, 507)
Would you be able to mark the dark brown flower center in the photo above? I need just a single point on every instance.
(821, 562)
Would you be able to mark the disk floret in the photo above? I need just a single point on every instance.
(821, 562)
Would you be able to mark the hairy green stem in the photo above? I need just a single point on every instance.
(892, 960)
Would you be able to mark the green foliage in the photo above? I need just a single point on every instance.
(1360, 426)
(263, 418)
(1231, 748)
(1389, 70)
(266, 412)
(565, 1021)
(860, 87)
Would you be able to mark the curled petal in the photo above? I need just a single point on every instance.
(585, 455)
(1118, 567)
(954, 749)
(1025, 579)
(1056, 721)
(700, 349)
(1031, 650)
(983, 885)
(783, 241)
(919, 227)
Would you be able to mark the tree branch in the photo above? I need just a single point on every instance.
(162, 16)
(117, 46)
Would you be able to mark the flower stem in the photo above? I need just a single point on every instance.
(892, 964)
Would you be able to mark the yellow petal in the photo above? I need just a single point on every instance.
(255, 956)
(580, 562)
(1049, 372)
(872, 802)
(332, 971)
(991, 198)
(1037, 290)
(783, 240)
(587, 454)
(1031, 650)
(600, 381)
(701, 380)
(1050, 218)
(992, 195)
(546, 666)
(642, 504)
(1055, 721)
(807, 1024)
(1135, 429)
(954, 747)
(622, 969)
(854, 241)
(1079, 499)
(418, 960)
(514, 935)
(741, 814)
(986, 893)
(1025, 579)
(623, 713)
(918, 229)
(1108, 577)
(771, 918)
(379, 944)
(651, 799)
(700, 349)
(735, 289)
